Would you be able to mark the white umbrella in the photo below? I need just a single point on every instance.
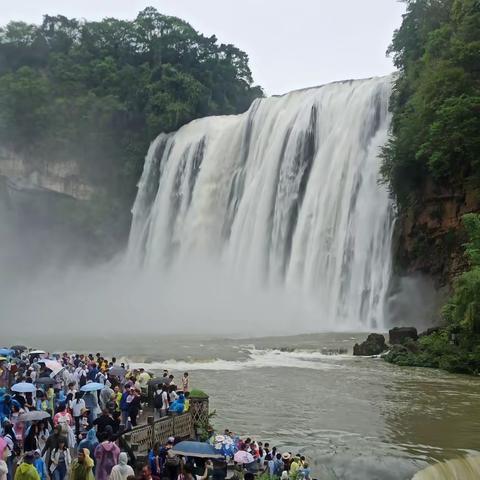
(33, 416)
(23, 387)
(37, 352)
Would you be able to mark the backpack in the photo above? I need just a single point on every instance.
(157, 400)
(172, 460)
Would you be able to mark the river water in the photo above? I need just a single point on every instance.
(356, 418)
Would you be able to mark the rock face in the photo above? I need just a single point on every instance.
(398, 335)
(60, 177)
(373, 345)
(431, 235)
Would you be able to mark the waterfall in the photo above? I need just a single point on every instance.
(467, 468)
(285, 196)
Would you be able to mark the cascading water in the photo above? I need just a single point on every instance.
(286, 196)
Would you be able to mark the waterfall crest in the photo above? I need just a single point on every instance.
(285, 196)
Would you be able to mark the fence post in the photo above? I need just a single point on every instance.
(151, 424)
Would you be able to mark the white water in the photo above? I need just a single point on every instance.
(467, 468)
(256, 359)
(284, 197)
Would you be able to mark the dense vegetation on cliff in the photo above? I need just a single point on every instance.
(99, 92)
(436, 100)
(435, 146)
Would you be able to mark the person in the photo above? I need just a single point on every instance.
(104, 420)
(172, 464)
(147, 474)
(106, 457)
(63, 418)
(107, 399)
(155, 460)
(39, 464)
(121, 471)
(172, 396)
(82, 466)
(295, 466)
(304, 471)
(165, 403)
(178, 405)
(189, 475)
(134, 405)
(26, 470)
(52, 443)
(30, 444)
(90, 442)
(185, 382)
(186, 405)
(60, 461)
(43, 434)
(3, 459)
(157, 401)
(143, 379)
(78, 404)
(124, 405)
(278, 465)
(12, 447)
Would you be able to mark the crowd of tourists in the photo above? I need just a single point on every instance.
(65, 415)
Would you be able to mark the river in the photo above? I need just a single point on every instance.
(355, 418)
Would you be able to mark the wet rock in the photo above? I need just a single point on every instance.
(398, 335)
(429, 331)
(373, 345)
(334, 351)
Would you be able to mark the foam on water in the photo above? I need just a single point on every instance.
(256, 359)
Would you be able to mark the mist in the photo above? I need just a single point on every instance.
(111, 299)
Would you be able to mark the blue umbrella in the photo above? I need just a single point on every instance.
(7, 352)
(24, 387)
(195, 449)
(92, 387)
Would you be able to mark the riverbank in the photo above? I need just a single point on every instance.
(442, 349)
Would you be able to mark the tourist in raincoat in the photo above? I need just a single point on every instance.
(178, 405)
(3, 457)
(106, 457)
(26, 470)
(122, 471)
(82, 466)
(90, 442)
(39, 464)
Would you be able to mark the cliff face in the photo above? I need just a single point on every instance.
(431, 235)
(60, 177)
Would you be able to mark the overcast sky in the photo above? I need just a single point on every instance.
(291, 43)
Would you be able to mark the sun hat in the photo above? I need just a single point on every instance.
(171, 439)
(286, 456)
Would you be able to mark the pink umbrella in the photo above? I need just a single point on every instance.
(54, 366)
(243, 457)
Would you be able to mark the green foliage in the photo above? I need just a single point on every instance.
(99, 92)
(455, 348)
(436, 98)
(197, 393)
(204, 427)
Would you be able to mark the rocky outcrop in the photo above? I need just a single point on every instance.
(430, 235)
(373, 345)
(398, 335)
(57, 176)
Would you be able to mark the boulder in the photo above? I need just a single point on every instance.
(397, 335)
(429, 331)
(373, 345)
